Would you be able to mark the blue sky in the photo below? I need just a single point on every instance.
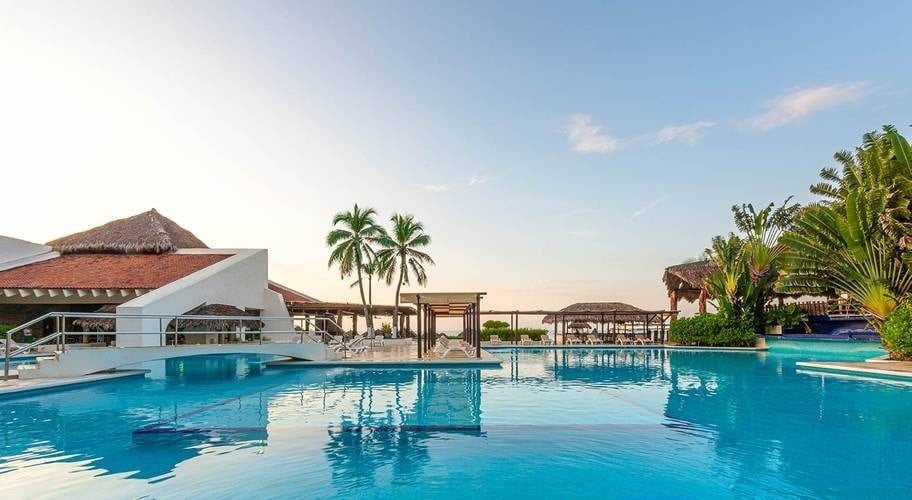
(557, 152)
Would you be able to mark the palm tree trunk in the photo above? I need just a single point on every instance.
(396, 306)
(370, 324)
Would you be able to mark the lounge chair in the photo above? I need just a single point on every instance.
(446, 348)
(546, 340)
(495, 340)
(592, 339)
(572, 339)
(358, 344)
(623, 339)
(525, 340)
(642, 340)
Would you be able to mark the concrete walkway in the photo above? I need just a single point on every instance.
(875, 367)
(17, 386)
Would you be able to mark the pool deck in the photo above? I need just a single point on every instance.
(17, 386)
(872, 367)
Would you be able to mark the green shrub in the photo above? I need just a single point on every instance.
(493, 323)
(385, 329)
(788, 316)
(896, 333)
(507, 333)
(711, 330)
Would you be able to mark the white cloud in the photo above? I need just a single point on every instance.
(476, 180)
(587, 137)
(436, 188)
(688, 133)
(654, 203)
(802, 102)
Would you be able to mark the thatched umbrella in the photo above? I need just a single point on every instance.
(598, 312)
(99, 324)
(687, 280)
(216, 325)
(148, 232)
(579, 325)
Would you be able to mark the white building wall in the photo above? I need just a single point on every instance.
(239, 280)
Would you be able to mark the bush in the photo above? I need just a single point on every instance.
(493, 323)
(896, 333)
(507, 333)
(385, 329)
(711, 330)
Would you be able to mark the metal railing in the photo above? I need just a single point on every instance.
(169, 325)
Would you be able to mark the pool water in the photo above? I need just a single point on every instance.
(582, 422)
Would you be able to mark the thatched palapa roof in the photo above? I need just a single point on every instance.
(148, 232)
(596, 312)
(98, 324)
(688, 279)
(217, 325)
(209, 325)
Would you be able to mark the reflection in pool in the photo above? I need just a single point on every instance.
(639, 422)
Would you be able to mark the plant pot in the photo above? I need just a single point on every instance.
(774, 330)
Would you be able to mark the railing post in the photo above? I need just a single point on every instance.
(6, 356)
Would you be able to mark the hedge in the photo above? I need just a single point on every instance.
(711, 330)
(507, 334)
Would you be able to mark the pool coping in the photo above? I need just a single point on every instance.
(389, 363)
(617, 346)
(875, 367)
(15, 387)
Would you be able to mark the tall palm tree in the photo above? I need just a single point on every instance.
(401, 258)
(351, 238)
(370, 269)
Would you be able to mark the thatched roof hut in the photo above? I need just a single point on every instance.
(217, 325)
(148, 232)
(99, 324)
(687, 280)
(212, 325)
(599, 312)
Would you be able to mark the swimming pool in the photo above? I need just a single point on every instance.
(582, 422)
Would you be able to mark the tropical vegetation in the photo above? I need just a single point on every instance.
(505, 333)
(854, 242)
(401, 257)
(712, 330)
(360, 246)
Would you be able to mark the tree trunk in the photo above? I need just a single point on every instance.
(367, 317)
(396, 306)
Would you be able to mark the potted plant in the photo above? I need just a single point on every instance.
(783, 318)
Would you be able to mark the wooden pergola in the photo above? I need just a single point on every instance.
(338, 310)
(433, 305)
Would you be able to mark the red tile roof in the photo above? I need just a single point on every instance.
(290, 295)
(107, 270)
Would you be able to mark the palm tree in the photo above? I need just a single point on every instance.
(351, 238)
(370, 270)
(400, 256)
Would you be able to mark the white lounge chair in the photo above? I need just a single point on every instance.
(642, 340)
(592, 339)
(571, 339)
(624, 340)
(546, 340)
(446, 348)
(525, 340)
(495, 340)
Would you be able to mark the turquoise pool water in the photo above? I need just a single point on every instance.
(570, 423)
